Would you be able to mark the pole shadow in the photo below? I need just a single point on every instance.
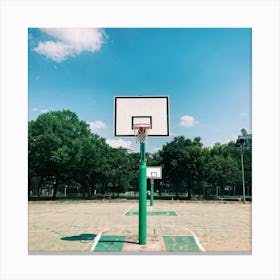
(117, 241)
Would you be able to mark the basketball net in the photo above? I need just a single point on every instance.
(141, 132)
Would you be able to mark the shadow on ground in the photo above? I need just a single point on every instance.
(81, 237)
(90, 237)
(113, 241)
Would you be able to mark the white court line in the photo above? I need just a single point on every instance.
(177, 213)
(96, 239)
(196, 240)
(128, 209)
(194, 235)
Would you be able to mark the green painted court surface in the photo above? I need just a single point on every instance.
(180, 244)
(114, 243)
(153, 213)
(110, 243)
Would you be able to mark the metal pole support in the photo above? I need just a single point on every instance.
(152, 193)
(142, 197)
(243, 179)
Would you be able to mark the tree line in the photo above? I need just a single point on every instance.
(63, 152)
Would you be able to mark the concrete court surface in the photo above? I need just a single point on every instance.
(112, 226)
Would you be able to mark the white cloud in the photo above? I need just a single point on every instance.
(56, 51)
(40, 111)
(97, 125)
(188, 121)
(156, 149)
(70, 42)
(119, 143)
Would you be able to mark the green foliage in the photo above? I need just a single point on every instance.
(61, 147)
(188, 166)
(63, 151)
(222, 171)
(182, 161)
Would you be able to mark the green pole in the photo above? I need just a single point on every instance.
(152, 193)
(142, 196)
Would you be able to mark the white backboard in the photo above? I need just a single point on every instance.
(142, 109)
(154, 171)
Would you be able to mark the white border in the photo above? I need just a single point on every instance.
(17, 16)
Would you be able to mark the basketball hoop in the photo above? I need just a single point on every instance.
(141, 132)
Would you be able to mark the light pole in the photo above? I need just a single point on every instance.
(152, 192)
(241, 142)
(243, 179)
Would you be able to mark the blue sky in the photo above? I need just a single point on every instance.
(205, 72)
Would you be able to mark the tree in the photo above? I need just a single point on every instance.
(63, 150)
(124, 172)
(222, 171)
(182, 161)
(53, 139)
(231, 150)
(194, 161)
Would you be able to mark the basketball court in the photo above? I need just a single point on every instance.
(95, 227)
(140, 226)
